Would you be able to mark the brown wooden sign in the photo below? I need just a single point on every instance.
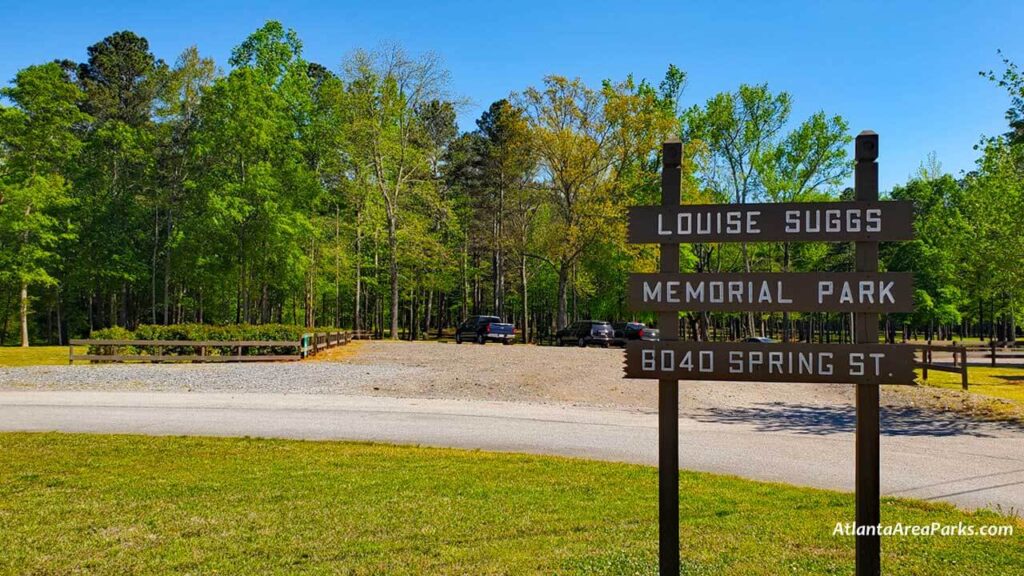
(773, 291)
(756, 362)
(794, 221)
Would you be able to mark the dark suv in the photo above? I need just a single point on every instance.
(586, 332)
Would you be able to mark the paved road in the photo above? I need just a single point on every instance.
(971, 465)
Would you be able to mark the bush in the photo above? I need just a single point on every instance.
(112, 333)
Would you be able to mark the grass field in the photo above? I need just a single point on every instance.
(158, 505)
(1004, 382)
(35, 355)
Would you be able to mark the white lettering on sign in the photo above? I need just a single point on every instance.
(705, 223)
(649, 362)
(833, 220)
(769, 363)
(864, 292)
(715, 292)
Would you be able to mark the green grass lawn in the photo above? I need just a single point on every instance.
(1004, 382)
(35, 355)
(159, 505)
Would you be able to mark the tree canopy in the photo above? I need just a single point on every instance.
(279, 190)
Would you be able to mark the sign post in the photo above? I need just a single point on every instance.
(867, 467)
(668, 388)
(864, 293)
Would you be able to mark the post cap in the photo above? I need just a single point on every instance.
(867, 146)
(672, 152)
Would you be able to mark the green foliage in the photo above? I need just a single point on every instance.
(280, 191)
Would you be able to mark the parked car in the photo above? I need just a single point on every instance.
(480, 329)
(760, 340)
(626, 331)
(585, 333)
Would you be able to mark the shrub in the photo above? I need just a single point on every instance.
(112, 333)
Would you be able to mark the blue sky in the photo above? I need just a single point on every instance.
(907, 70)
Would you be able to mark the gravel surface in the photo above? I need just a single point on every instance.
(591, 376)
(272, 377)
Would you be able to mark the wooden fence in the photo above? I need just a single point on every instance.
(314, 343)
(983, 352)
(927, 362)
(201, 351)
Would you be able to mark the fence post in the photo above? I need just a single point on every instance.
(924, 363)
(963, 367)
(71, 353)
(993, 347)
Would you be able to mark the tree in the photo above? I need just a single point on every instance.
(743, 154)
(257, 185)
(177, 164)
(595, 149)
(936, 254)
(38, 136)
(1012, 80)
(388, 91)
(116, 186)
(507, 165)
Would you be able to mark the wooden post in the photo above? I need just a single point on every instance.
(867, 482)
(668, 390)
(993, 345)
(924, 363)
(963, 367)
(71, 353)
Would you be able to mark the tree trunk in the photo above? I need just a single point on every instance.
(24, 314)
(393, 245)
(563, 297)
(357, 321)
(167, 271)
(154, 258)
(526, 298)
(60, 319)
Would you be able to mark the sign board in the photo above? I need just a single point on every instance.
(757, 362)
(863, 293)
(784, 222)
(773, 291)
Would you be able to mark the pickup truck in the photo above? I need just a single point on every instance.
(626, 331)
(481, 329)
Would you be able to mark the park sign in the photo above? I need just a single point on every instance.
(863, 294)
(782, 222)
(754, 362)
(773, 292)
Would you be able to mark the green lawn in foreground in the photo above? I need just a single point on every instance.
(1006, 382)
(158, 505)
(36, 355)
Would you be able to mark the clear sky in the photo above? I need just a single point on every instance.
(908, 70)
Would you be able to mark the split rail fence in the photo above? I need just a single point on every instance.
(203, 351)
(927, 361)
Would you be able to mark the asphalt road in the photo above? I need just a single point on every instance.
(970, 464)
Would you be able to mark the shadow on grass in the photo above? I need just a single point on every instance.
(823, 420)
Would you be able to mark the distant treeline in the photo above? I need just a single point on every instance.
(283, 191)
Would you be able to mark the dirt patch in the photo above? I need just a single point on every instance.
(339, 353)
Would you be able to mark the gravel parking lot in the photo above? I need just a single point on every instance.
(590, 376)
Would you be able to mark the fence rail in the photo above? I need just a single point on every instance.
(927, 362)
(308, 345)
(993, 350)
